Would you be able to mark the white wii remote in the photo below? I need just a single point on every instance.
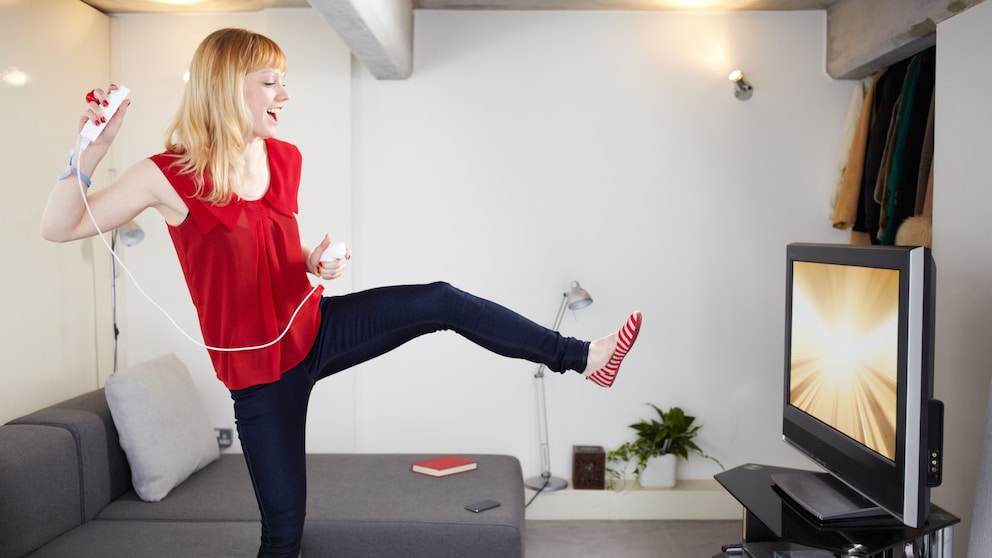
(333, 252)
(91, 131)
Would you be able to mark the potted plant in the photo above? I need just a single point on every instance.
(659, 442)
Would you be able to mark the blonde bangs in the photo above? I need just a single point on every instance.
(213, 121)
(265, 53)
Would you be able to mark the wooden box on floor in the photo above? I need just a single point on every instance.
(588, 467)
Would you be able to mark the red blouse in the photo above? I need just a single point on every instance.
(245, 271)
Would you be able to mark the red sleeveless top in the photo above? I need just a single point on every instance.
(246, 274)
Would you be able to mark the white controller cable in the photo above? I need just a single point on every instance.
(80, 147)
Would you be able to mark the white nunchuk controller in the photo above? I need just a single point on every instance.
(91, 131)
(333, 252)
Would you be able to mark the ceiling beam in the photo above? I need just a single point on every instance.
(378, 32)
(864, 37)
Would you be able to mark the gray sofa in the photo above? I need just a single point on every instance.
(65, 490)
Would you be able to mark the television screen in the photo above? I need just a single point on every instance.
(858, 397)
(845, 350)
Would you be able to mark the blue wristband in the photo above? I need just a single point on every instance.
(73, 171)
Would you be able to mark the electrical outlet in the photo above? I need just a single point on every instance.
(225, 437)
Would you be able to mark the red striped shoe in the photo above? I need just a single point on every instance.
(606, 375)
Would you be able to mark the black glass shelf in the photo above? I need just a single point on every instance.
(771, 516)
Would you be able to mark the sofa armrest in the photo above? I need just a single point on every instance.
(102, 465)
(40, 489)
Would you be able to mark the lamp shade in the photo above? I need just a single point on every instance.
(577, 297)
(131, 234)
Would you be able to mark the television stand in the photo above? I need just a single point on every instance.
(771, 517)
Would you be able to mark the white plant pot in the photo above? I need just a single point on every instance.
(659, 472)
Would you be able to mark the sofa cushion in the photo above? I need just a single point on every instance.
(361, 505)
(373, 505)
(156, 539)
(164, 429)
(220, 491)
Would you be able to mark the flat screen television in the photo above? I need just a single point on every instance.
(859, 382)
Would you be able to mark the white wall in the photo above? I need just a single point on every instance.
(529, 149)
(54, 299)
(964, 257)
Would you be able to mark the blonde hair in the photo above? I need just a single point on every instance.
(213, 121)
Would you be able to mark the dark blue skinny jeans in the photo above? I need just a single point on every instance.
(271, 418)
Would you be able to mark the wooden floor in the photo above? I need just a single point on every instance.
(628, 539)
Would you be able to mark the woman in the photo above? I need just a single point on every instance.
(228, 191)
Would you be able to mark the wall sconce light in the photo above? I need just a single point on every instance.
(14, 77)
(742, 89)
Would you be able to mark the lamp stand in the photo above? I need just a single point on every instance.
(545, 482)
(128, 234)
(113, 292)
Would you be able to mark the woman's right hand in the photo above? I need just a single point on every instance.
(95, 113)
(69, 215)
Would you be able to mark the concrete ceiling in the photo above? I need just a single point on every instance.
(643, 5)
(863, 36)
(152, 6)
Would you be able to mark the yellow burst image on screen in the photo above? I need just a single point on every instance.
(844, 351)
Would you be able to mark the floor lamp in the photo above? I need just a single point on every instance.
(129, 235)
(575, 299)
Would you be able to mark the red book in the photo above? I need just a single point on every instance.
(444, 466)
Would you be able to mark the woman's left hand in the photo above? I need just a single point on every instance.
(334, 268)
(327, 270)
